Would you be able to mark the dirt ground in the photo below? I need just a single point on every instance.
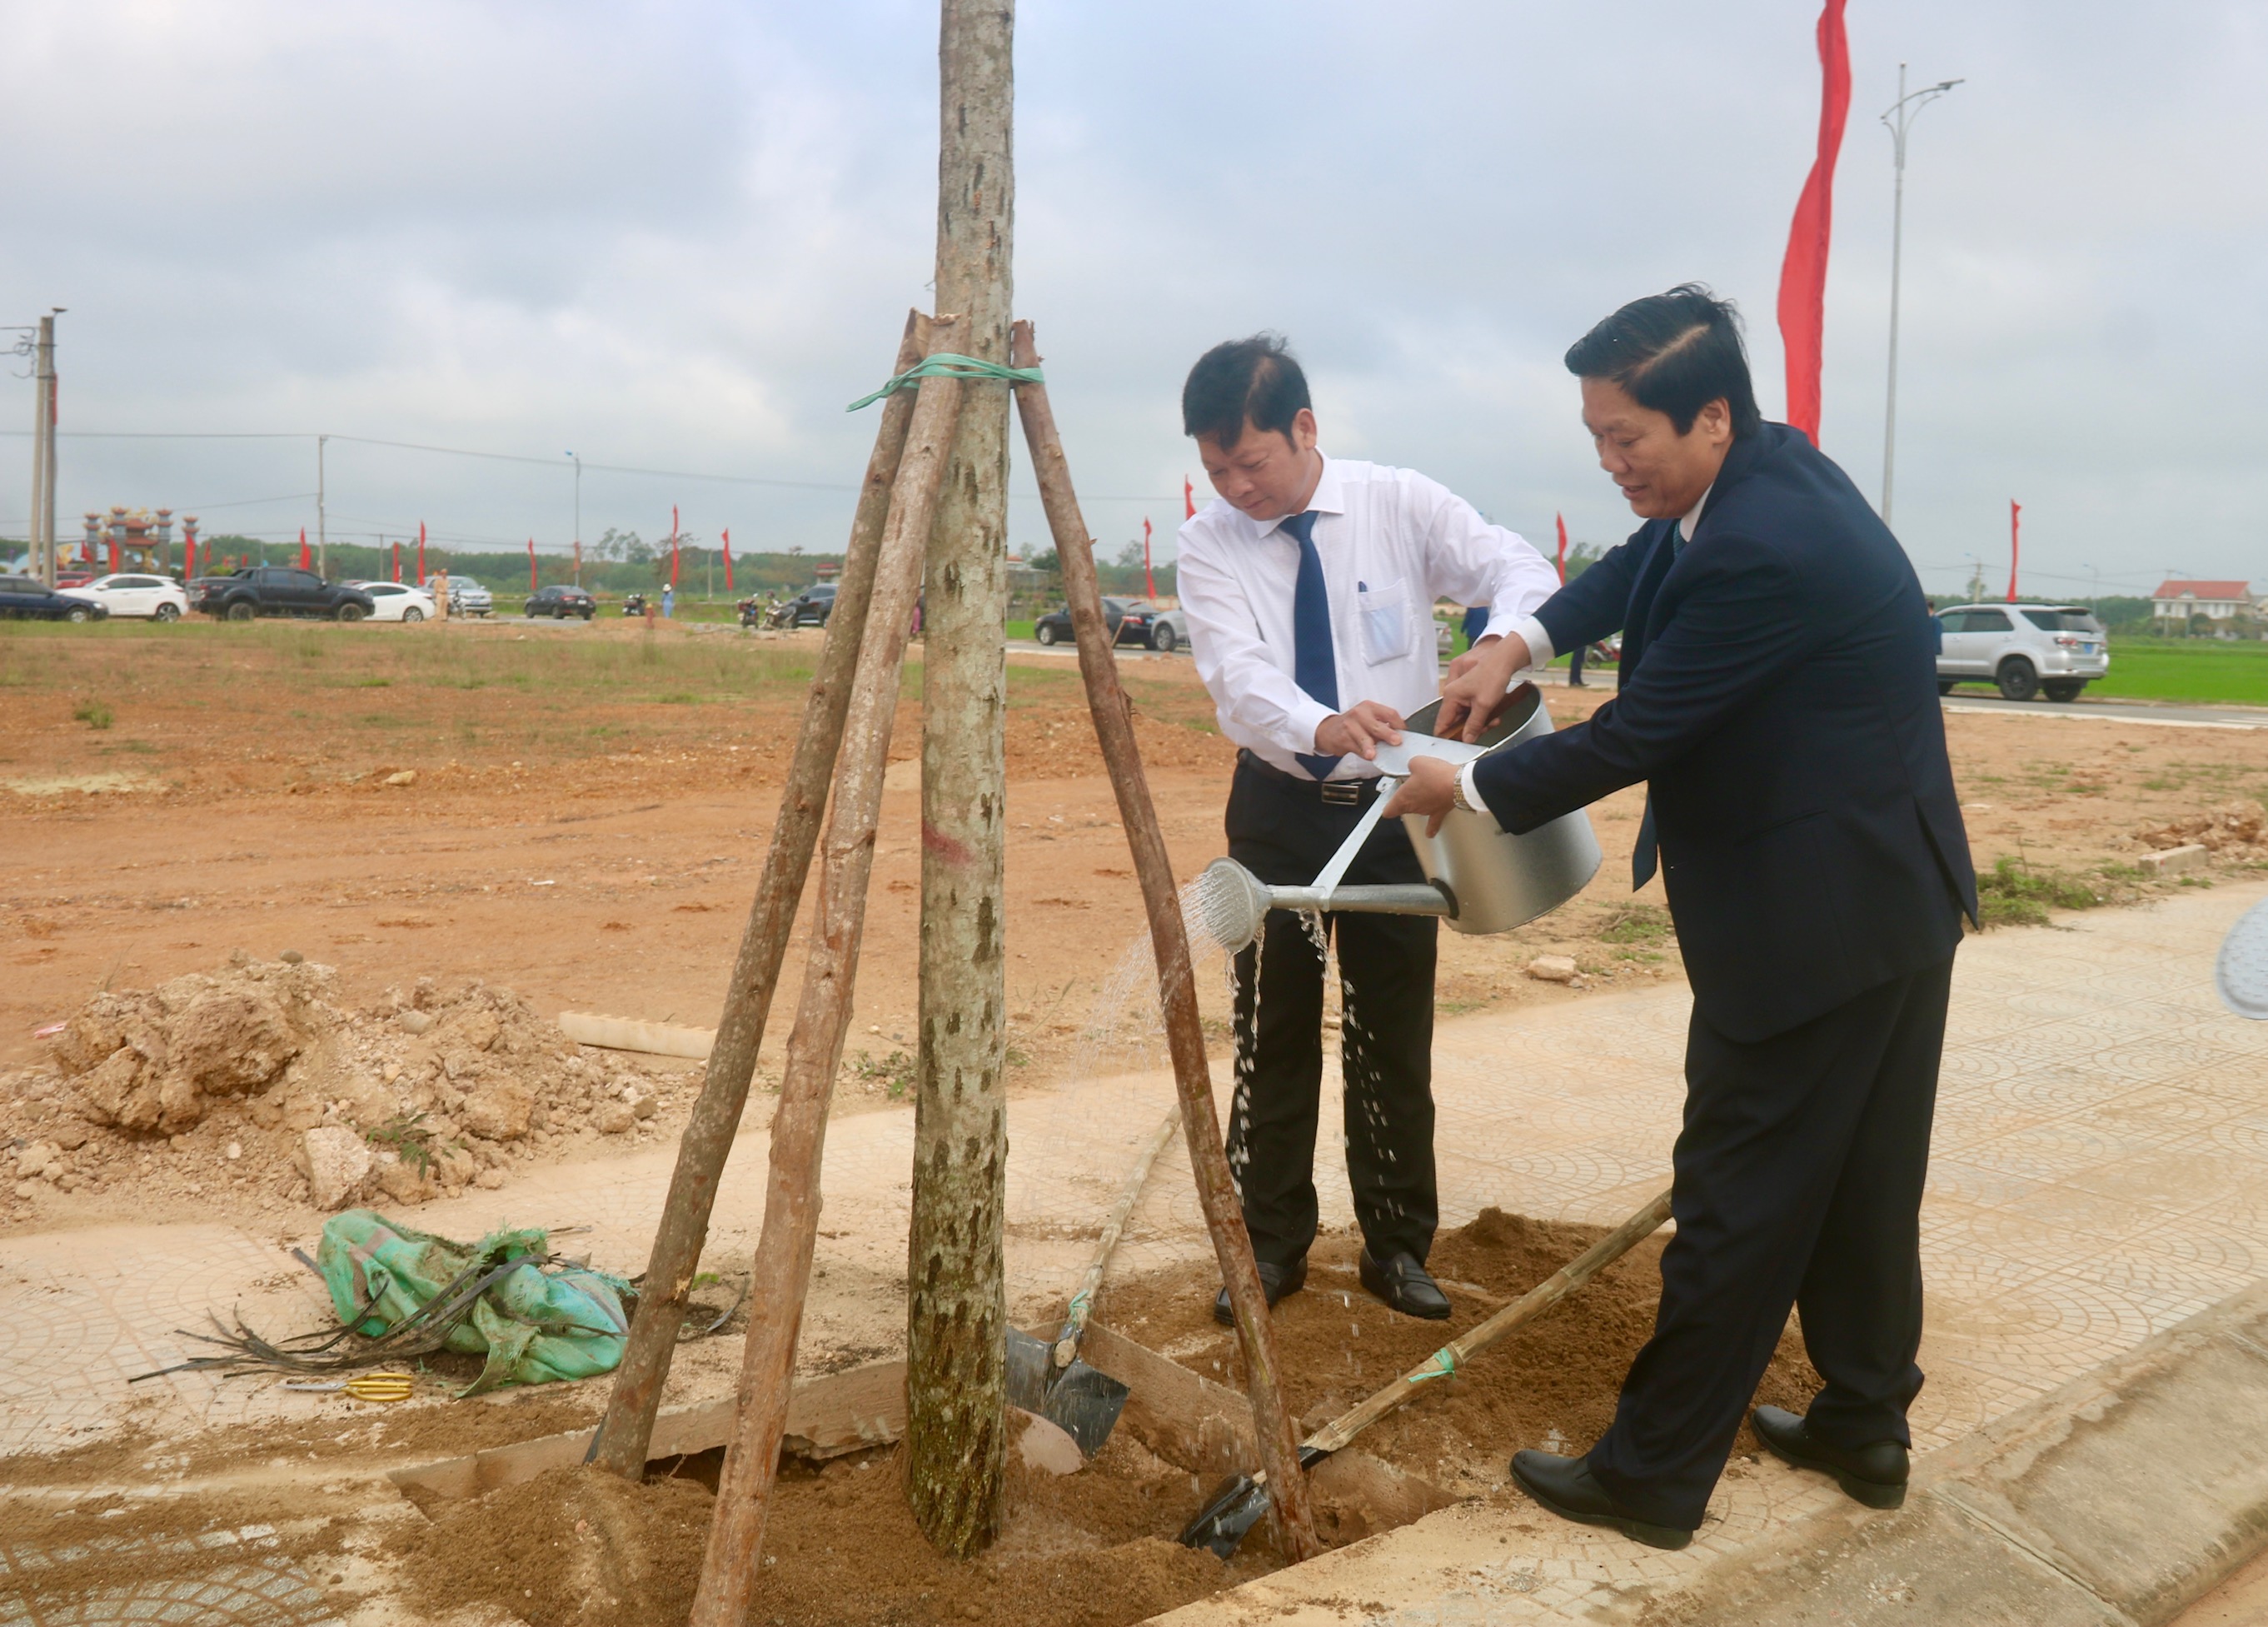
(576, 815)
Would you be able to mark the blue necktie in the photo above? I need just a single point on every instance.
(1315, 666)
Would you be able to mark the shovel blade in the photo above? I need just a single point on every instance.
(1084, 1402)
(1235, 1506)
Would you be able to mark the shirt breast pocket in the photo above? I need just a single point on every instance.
(1385, 621)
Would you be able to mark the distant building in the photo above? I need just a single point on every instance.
(2216, 601)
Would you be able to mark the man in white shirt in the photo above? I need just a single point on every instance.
(1309, 588)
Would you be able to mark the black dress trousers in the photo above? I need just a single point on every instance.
(1799, 1182)
(1284, 832)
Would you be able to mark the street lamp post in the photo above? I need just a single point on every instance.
(578, 518)
(1898, 121)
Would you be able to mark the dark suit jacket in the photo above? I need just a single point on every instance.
(1779, 695)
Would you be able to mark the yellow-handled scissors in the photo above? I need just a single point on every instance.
(362, 1387)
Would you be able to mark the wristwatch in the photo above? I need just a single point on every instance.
(1457, 792)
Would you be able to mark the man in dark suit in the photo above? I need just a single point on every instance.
(1779, 697)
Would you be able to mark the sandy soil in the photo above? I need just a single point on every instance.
(577, 814)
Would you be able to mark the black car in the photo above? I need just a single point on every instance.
(277, 590)
(23, 599)
(559, 602)
(811, 608)
(1125, 620)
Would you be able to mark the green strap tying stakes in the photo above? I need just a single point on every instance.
(1439, 1364)
(949, 364)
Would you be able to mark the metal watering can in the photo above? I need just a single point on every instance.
(1478, 878)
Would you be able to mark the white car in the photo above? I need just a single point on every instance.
(159, 598)
(397, 601)
(2024, 649)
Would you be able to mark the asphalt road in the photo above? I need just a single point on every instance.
(2167, 714)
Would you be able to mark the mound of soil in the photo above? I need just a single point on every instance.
(577, 1549)
(256, 1081)
(1552, 1385)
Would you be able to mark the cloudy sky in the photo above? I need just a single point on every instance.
(681, 237)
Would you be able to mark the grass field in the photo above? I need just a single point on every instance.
(2186, 669)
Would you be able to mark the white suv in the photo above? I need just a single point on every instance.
(2025, 649)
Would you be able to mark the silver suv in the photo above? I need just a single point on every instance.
(2024, 649)
(467, 597)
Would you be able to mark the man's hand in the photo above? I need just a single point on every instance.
(1477, 680)
(1359, 729)
(1431, 789)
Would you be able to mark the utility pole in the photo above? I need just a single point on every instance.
(322, 534)
(43, 450)
(1898, 121)
(956, 1303)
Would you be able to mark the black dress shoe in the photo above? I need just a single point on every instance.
(1874, 1473)
(1278, 1280)
(1402, 1283)
(1566, 1486)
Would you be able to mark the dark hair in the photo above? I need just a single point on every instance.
(1675, 352)
(1252, 380)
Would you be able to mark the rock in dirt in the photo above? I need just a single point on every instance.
(336, 1162)
(1047, 1445)
(1559, 968)
(498, 1111)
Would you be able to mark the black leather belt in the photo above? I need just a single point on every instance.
(1348, 793)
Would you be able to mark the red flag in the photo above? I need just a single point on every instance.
(306, 560)
(397, 562)
(114, 556)
(1189, 499)
(421, 553)
(1149, 582)
(2014, 509)
(189, 558)
(673, 545)
(1562, 519)
(531, 564)
(727, 535)
(1803, 273)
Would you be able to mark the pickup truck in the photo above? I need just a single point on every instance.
(277, 590)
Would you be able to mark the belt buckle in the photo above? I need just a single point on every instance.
(1342, 793)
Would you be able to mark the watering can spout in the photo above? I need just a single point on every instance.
(1231, 904)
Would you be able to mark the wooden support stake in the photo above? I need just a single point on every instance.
(782, 1272)
(702, 1151)
(1114, 726)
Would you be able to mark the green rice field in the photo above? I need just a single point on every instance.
(2230, 674)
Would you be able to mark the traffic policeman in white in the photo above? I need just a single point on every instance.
(1309, 587)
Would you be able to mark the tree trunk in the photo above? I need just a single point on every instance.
(782, 1273)
(956, 1308)
(1289, 1506)
(627, 1429)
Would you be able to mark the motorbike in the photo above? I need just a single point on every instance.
(756, 610)
(634, 604)
(780, 615)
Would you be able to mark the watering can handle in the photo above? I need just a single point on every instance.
(1340, 860)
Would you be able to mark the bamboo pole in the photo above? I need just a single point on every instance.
(956, 1291)
(815, 1049)
(1114, 726)
(1451, 1357)
(702, 1151)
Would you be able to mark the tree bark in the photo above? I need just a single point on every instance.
(623, 1435)
(956, 1309)
(782, 1274)
(1289, 1506)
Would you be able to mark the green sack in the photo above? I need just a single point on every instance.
(534, 1323)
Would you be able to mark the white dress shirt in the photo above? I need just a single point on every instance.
(1392, 543)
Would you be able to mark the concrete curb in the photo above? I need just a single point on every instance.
(2122, 1498)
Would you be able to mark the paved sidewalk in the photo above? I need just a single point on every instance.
(2101, 1173)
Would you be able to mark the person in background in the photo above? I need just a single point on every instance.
(439, 584)
(1779, 697)
(668, 602)
(1309, 584)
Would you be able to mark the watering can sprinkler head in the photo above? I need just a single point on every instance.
(1231, 904)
